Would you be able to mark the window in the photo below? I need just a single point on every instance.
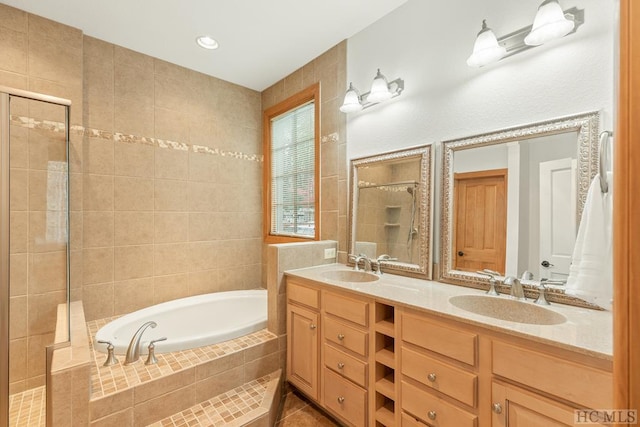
(291, 154)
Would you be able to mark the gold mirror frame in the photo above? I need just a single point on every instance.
(423, 268)
(586, 125)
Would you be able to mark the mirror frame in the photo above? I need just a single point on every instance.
(586, 125)
(423, 153)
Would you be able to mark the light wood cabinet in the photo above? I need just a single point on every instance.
(371, 363)
(516, 407)
(303, 338)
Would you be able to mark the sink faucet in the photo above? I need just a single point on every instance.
(366, 260)
(133, 351)
(382, 258)
(517, 291)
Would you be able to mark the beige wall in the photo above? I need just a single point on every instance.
(330, 70)
(166, 169)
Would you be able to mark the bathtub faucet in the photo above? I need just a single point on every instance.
(133, 352)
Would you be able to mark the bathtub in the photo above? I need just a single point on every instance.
(190, 322)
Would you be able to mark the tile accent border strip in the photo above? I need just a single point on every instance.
(58, 127)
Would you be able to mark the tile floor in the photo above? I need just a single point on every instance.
(297, 411)
(28, 409)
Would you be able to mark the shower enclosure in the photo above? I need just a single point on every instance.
(34, 246)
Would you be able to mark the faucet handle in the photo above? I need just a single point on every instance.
(151, 358)
(111, 358)
(542, 293)
(492, 280)
(383, 258)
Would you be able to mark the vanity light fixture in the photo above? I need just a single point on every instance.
(550, 23)
(207, 42)
(381, 90)
(486, 48)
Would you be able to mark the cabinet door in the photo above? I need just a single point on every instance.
(522, 408)
(303, 349)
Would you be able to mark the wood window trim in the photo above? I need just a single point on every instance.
(312, 93)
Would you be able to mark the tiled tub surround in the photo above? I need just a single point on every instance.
(586, 331)
(139, 395)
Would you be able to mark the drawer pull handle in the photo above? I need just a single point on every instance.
(340, 337)
(340, 365)
(341, 399)
(431, 377)
(432, 415)
(497, 408)
(312, 326)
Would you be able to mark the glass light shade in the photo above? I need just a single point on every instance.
(486, 48)
(379, 89)
(351, 100)
(549, 23)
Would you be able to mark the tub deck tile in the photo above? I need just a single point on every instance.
(233, 408)
(107, 380)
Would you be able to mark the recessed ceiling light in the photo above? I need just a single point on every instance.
(207, 42)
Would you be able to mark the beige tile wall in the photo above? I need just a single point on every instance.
(166, 171)
(52, 65)
(330, 70)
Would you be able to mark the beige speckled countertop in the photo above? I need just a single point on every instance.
(586, 331)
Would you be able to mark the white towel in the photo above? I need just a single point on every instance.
(591, 271)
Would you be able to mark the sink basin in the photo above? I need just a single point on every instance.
(507, 309)
(350, 276)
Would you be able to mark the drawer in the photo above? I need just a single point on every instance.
(345, 336)
(454, 343)
(303, 294)
(452, 381)
(584, 385)
(345, 365)
(350, 309)
(434, 411)
(344, 398)
(410, 421)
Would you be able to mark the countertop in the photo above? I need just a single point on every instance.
(586, 331)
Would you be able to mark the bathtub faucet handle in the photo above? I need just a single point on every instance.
(111, 358)
(151, 359)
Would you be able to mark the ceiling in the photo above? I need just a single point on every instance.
(260, 41)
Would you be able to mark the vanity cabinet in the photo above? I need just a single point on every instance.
(439, 365)
(303, 338)
(345, 362)
(328, 349)
(370, 362)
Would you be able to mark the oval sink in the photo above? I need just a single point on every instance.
(350, 276)
(507, 309)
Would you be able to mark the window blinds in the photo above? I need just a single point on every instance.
(292, 173)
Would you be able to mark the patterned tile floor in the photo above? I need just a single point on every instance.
(111, 379)
(28, 409)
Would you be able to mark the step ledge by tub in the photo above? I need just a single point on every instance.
(76, 351)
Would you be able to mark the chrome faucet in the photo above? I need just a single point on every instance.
(492, 280)
(382, 258)
(133, 351)
(517, 291)
(367, 262)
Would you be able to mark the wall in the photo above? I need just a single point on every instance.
(427, 44)
(330, 70)
(166, 171)
(49, 64)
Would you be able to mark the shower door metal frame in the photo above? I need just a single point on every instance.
(5, 94)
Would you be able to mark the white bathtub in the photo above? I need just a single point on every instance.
(190, 322)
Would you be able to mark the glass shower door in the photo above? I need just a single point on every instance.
(38, 250)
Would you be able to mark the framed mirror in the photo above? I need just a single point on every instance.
(512, 200)
(390, 205)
